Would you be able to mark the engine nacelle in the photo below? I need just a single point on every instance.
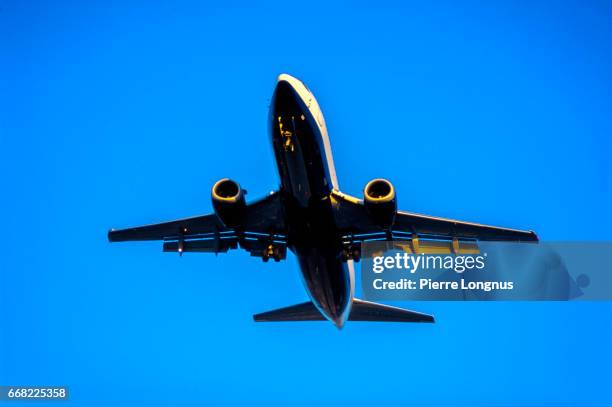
(229, 203)
(380, 203)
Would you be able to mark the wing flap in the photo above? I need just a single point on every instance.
(221, 245)
(415, 245)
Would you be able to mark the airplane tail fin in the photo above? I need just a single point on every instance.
(360, 311)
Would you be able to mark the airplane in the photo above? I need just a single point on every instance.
(309, 215)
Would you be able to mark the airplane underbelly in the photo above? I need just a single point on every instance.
(300, 155)
(303, 172)
(297, 182)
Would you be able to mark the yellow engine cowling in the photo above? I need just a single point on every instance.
(380, 203)
(229, 202)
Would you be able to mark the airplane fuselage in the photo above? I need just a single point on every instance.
(310, 216)
(307, 175)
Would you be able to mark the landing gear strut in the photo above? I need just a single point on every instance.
(351, 252)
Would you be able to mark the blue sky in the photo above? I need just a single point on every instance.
(122, 113)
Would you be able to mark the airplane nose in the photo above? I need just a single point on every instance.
(284, 99)
(288, 80)
(284, 90)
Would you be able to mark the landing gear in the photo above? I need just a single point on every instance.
(273, 252)
(351, 252)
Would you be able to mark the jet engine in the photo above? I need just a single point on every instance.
(229, 203)
(380, 203)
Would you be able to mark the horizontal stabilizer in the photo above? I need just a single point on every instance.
(360, 311)
(371, 311)
(300, 312)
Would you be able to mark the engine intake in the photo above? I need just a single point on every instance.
(228, 202)
(380, 203)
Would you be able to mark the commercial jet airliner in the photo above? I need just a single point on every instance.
(310, 216)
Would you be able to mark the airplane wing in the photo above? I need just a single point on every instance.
(263, 234)
(435, 226)
(356, 224)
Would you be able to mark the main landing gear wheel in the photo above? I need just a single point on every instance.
(273, 252)
(351, 253)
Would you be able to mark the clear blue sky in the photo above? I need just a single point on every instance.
(121, 113)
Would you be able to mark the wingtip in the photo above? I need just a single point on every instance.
(427, 318)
